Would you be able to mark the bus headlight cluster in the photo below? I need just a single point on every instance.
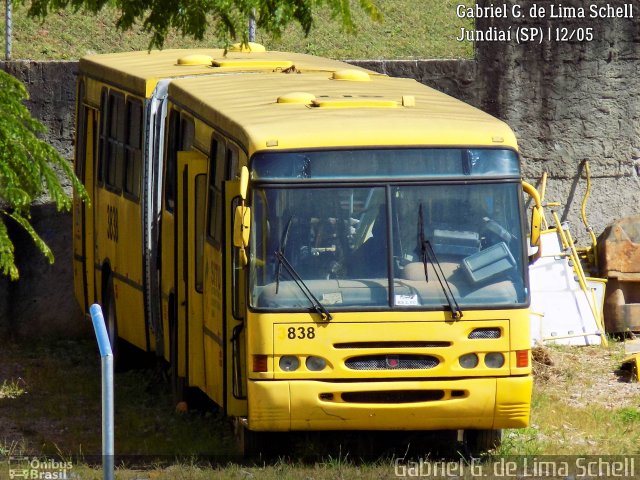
(291, 363)
(491, 360)
(469, 360)
(315, 364)
(494, 360)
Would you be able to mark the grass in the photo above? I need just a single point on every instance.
(582, 405)
(59, 409)
(12, 388)
(420, 29)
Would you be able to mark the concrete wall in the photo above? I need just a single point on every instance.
(567, 102)
(42, 301)
(52, 92)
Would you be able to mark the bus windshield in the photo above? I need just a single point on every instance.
(360, 244)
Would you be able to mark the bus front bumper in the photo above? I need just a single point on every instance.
(470, 403)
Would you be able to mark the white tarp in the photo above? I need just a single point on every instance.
(561, 311)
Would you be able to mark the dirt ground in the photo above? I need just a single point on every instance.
(593, 375)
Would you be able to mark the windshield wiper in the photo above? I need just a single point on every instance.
(315, 303)
(282, 261)
(283, 244)
(427, 251)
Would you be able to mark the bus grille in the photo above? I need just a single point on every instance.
(392, 362)
(485, 333)
(400, 396)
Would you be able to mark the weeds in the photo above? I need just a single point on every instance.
(12, 389)
(628, 415)
(11, 448)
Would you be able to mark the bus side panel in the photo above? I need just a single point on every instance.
(213, 309)
(118, 246)
(106, 224)
(130, 306)
(236, 340)
(213, 323)
(192, 169)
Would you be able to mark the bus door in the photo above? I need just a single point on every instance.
(214, 285)
(235, 314)
(82, 213)
(189, 223)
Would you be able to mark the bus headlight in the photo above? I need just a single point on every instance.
(470, 360)
(494, 360)
(315, 364)
(289, 363)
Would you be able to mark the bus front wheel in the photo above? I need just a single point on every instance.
(252, 444)
(109, 302)
(478, 442)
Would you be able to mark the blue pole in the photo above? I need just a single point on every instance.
(106, 355)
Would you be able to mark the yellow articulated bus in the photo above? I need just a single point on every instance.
(313, 245)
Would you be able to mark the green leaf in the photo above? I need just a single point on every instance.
(7, 260)
(42, 246)
(29, 168)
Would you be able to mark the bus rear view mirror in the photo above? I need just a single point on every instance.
(244, 182)
(241, 226)
(536, 216)
(536, 222)
(241, 229)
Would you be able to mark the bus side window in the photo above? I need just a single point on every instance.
(217, 175)
(172, 157)
(187, 134)
(115, 138)
(103, 134)
(201, 195)
(232, 164)
(181, 135)
(133, 147)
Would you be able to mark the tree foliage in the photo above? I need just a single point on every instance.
(29, 168)
(228, 17)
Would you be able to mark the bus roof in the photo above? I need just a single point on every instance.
(323, 103)
(326, 112)
(139, 72)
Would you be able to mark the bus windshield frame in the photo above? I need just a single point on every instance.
(352, 234)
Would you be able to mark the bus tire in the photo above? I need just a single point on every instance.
(258, 445)
(478, 442)
(111, 321)
(125, 355)
(252, 444)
